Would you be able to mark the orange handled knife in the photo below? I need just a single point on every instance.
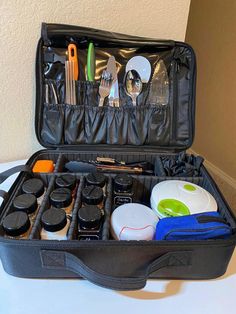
(73, 56)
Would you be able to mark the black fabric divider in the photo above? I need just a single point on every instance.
(72, 232)
(58, 163)
(35, 232)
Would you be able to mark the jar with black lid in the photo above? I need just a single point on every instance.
(36, 187)
(16, 225)
(62, 198)
(93, 195)
(90, 220)
(123, 189)
(55, 224)
(67, 181)
(28, 204)
(96, 179)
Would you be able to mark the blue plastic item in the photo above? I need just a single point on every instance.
(208, 225)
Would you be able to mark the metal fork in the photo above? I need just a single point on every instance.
(105, 86)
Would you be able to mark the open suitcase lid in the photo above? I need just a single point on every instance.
(161, 128)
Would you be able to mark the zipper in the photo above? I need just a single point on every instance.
(51, 30)
(195, 230)
(209, 219)
(174, 102)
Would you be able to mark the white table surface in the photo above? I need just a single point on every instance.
(39, 296)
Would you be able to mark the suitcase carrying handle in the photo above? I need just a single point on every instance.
(67, 261)
(6, 174)
(4, 195)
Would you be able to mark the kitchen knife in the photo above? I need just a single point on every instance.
(114, 93)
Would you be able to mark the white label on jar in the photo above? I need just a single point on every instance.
(40, 199)
(57, 235)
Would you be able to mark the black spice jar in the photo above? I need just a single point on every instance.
(16, 225)
(97, 179)
(66, 181)
(55, 224)
(26, 203)
(93, 195)
(62, 198)
(123, 189)
(90, 220)
(36, 187)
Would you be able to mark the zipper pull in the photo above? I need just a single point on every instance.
(44, 34)
(208, 219)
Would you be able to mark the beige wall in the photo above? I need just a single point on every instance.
(211, 31)
(20, 24)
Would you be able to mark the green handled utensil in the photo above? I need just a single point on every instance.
(91, 63)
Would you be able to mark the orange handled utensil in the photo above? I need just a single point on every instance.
(73, 56)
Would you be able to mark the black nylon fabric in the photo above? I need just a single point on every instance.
(180, 165)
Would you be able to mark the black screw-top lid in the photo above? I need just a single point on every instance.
(92, 195)
(66, 181)
(123, 183)
(54, 219)
(61, 197)
(89, 217)
(33, 186)
(16, 223)
(96, 178)
(26, 203)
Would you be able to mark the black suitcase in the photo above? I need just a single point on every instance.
(85, 131)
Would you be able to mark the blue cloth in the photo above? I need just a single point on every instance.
(209, 225)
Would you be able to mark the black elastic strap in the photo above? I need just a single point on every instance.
(4, 195)
(66, 261)
(6, 174)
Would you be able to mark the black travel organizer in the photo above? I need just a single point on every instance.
(158, 134)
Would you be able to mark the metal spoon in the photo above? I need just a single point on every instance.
(133, 85)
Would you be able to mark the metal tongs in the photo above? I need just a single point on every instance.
(107, 164)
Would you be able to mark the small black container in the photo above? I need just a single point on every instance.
(26, 203)
(96, 178)
(55, 224)
(16, 225)
(34, 186)
(93, 195)
(66, 181)
(123, 189)
(62, 198)
(90, 220)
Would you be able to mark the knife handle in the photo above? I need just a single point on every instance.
(91, 62)
(73, 56)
